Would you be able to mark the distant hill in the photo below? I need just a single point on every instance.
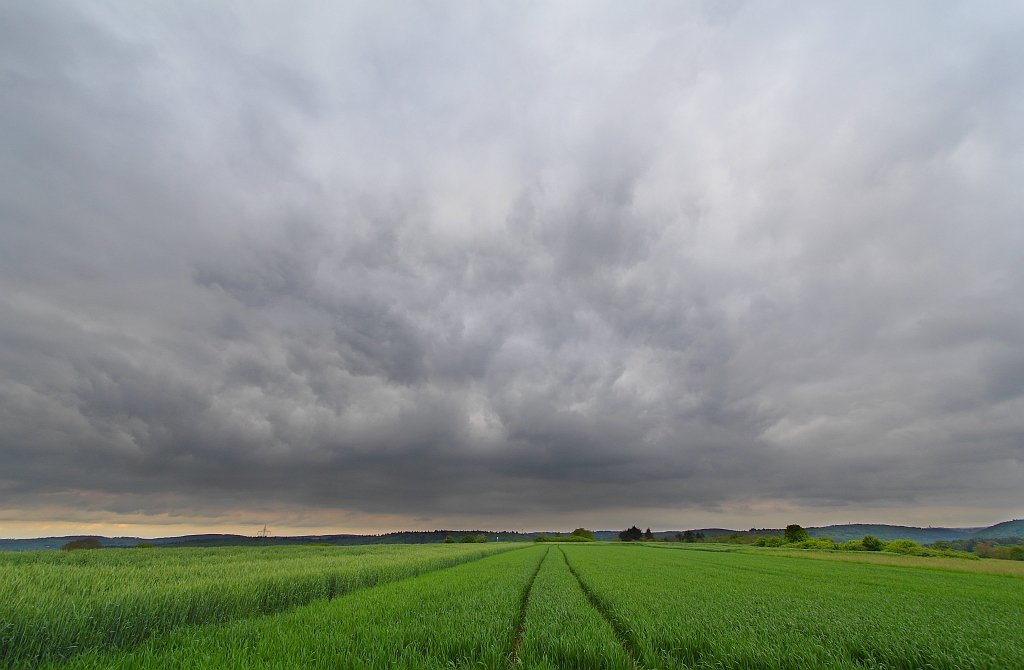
(855, 531)
(225, 540)
(1013, 528)
(839, 533)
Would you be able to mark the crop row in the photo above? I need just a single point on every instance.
(744, 610)
(54, 605)
(466, 616)
(562, 629)
(623, 606)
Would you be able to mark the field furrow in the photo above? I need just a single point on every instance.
(742, 610)
(562, 629)
(523, 602)
(54, 605)
(462, 617)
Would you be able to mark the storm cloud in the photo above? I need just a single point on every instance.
(506, 261)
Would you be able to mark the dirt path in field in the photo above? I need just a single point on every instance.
(620, 632)
(521, 623)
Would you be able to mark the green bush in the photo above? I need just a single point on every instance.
(818, 543)
(908, 547)
(562, 538)
(84, 543)
(144, 545)
(449, 540)
(468, 538)
(584, 533)
(795, 533)
(871, 543)
(1004, 553)
(768, 541)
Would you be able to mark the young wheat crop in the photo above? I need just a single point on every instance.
(57, 604)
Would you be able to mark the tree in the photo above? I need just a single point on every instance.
(84, 543)
(688, 536)
(449, 540)
(468, 538)
(871, 543)
(631, 534)
(648, 535)
(795, 533)
(583, 532)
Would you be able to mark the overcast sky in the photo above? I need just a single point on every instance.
(377, 266)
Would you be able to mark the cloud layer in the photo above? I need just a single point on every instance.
(499, 261)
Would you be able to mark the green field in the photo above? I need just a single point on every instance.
(537, 606)
(56, 604)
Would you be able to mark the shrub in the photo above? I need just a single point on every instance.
(144, 545)
(817, 543)
(562, 538)
(584, 533)
(468, 538)
(632, 534)
(449, 540)
(795, 533)
(768, 541)
(84, 543)
(908, 547)
(871, 543)
(1004, 553)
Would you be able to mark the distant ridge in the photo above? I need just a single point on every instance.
(838, 532)
(855, 531)
(1013, 528)
(227, 540)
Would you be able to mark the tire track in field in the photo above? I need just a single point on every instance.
(620, 631)
(521, 622)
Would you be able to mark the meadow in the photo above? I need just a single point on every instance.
(622, 605)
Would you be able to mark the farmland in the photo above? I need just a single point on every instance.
(538, 606)
(54, 604)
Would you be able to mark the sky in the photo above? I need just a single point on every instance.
(363, 267)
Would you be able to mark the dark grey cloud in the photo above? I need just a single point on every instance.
(512, 262)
